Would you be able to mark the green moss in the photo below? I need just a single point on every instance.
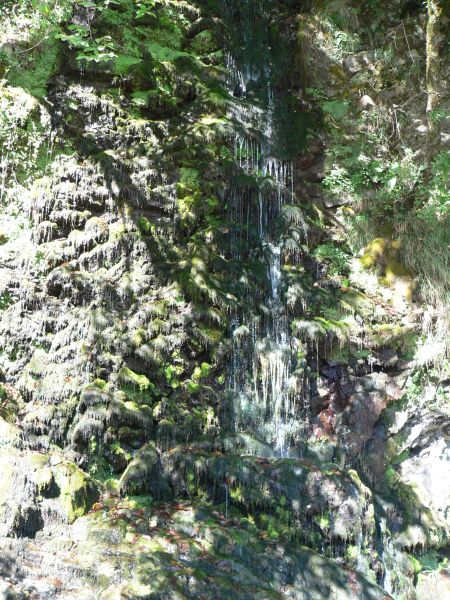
(100, 383)
(139, 502)
(112, 485)
(400, 337)
(430, 560)
(9, 404)
(43, 478)
(172, 373)
(144, 225)
(319, 327)
(351, 554)
(336, 258)
(201, 372)
(34, 69)
(193, 387)
(136, 415)
(401, 457)
(77, 491)
(138, 396)
(143, 475)
(323, 521)
(139, 380)
(348, 353)
(210, 335)
(374, 252)
(391, 476)
(124, 64)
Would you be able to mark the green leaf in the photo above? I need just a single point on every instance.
(165, 54)
(141, 12)
(145, 7)
(125, 62)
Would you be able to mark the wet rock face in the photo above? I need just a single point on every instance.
(185, 551)
(88, 288)
(113, 311)
(434, 585)
(39, 491)
(424, 469)
(318, 503)
(348, 406)
(415, 440)
(86, 300)
(370, 396)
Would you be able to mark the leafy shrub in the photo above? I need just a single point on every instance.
(334, 256)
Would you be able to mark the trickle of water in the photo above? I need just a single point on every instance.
(226, 500)
(387, 557)
(262, 361)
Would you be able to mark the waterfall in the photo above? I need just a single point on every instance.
(263, 356)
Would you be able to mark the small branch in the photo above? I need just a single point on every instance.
(33, 47)
(407, 43)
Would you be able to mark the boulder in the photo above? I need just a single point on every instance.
(434, 585)
(366, 103)
(366, 398)
(357, 62)
(39, 491)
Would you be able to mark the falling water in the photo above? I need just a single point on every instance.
(263, 357)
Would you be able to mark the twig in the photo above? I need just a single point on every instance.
(33, 47)
(407, 43)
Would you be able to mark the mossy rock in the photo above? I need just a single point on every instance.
(392, 335)
(384, 254)
(299, 488)
(10, 403)
(37, 490)
(190, 550)
(77, 491)
(144, 475)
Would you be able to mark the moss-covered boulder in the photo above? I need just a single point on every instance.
(312, 502)
(144, 475)
(77, 492)
(38, 491)
(137, 549)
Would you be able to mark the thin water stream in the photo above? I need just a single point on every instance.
(263, 356)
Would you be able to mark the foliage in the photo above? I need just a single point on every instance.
(336, 108)
(24, 138)
(98, 49)
(145, 8)
(338, 182)
(381, 171)
(338, 40)
(337, 259)
(438, 201)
